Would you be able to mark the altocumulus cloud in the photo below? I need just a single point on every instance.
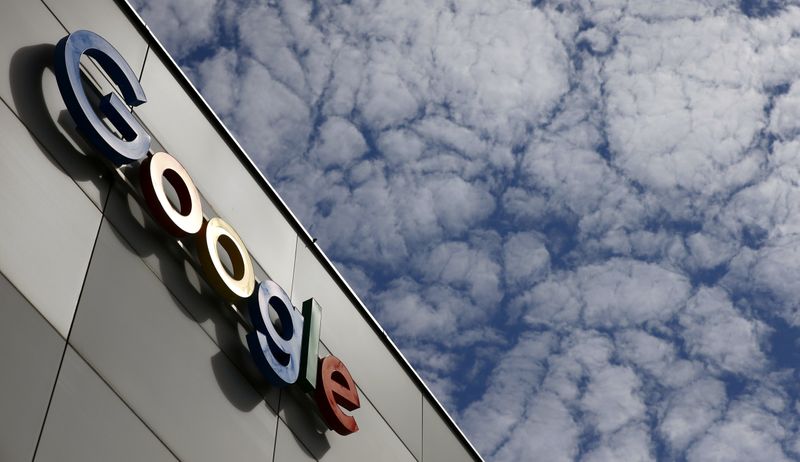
(579, 220)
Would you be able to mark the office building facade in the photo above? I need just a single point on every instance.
(114, 343)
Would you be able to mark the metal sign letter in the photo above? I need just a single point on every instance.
(135, 141)
(277, 355)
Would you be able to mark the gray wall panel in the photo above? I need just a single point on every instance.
(24, 23)
(171, 264)
(49, 225)
(348, 335)
(88, 422)
(219, 175)
(158, 347)
(439, 443)
(31, 351)
(28, 34)
(289, 448)
(156, 357)
(375, 440)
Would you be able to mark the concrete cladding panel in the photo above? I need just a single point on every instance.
(31, 351)
(24, 23)
(172, 116)
(349, 336)
(28, 34)
(87, 421)
(375, 440)
(49, 225)
(139, 338)
(439, 443)
(289, 448)
(174, 267)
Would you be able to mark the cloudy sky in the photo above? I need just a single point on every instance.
(580, 221)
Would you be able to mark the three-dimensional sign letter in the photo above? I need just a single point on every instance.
(135, 141)
(335, 388)
(277, 354)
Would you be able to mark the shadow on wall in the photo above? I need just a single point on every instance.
(38, 102)
(39, 105)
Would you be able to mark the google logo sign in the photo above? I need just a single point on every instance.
(284, 355)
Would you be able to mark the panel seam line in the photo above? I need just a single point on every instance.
(71, 325)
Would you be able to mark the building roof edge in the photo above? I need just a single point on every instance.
(156, 46)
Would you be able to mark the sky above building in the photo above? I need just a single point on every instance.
(580, 221)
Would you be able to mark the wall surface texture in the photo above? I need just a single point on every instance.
(113, 346)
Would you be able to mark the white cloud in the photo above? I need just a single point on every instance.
(657, 357)
(551, 302)
(414, 311)
(629, 444)
(690, 412)
(617, 293)
(182, 25)
(708, 251)
(628, 292)
(549, 432)
(220, 81)
(592, 207)
(786, 114)
(493, 418)
(459, 264)
(339, 143)
(525, 260)
(714, 330)
(746, 434)
(612, 398)
(664, 90)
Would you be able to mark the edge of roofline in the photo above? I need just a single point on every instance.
(155, 45)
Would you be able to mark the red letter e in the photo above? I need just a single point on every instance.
(335, 387)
